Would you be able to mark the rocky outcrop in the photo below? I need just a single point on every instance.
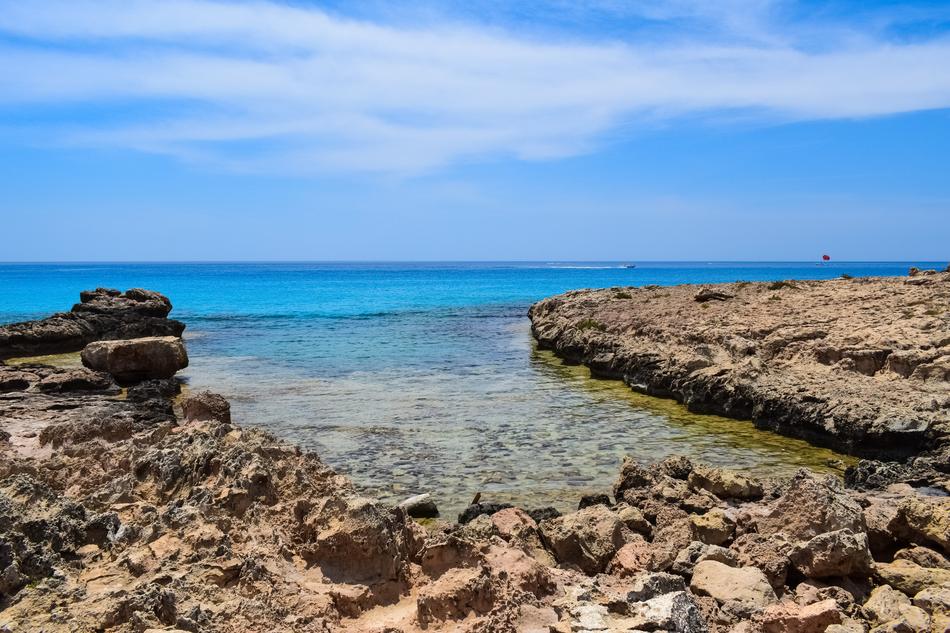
(860, 365)
(135, 360)
(145, 509)
(101, 314)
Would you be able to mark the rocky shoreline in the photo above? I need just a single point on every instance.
(858, 365)
(135, 508)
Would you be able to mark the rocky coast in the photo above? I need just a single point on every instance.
(130, 505)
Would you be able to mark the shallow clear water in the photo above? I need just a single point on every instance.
(423, 377)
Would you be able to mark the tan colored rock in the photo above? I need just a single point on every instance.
(726, 484)
(587, 539)
(768, 553)
(838, 553)
(789, 617)
(801, 357)
(909, 620)
(134, 360)
(934, 600)
(884, 603)
(909, 577)
(713, 528)
(923, 556)
(812, 504)
(633, 518)
(927, 519)
(745, 587)
(631, 559)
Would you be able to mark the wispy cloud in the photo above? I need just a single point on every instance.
(262, 85)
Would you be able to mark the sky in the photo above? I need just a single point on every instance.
(474, 130)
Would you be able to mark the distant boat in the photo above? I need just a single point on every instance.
(630, 266)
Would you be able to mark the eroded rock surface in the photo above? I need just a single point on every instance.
(862, 365)
(101, 314)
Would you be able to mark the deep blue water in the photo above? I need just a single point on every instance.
(423, 377)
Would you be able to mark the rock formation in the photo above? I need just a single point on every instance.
(101, 314)
(143, 510)
(860, 365)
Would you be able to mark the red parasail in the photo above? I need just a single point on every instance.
(825, 258)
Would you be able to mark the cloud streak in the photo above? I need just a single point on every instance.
(273, 87)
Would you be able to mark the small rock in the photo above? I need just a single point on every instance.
(789, 617)
(633, 518)
(712, 528)
(671, 612)
(934, 600)
(478, 509)
(725, 484)
(420, 506)
(812, 504)
(923, 556)
(708, 294)
(632, 476)
(593, 500)
(696, 552)
(768, 553)
(206, 405)
(927, 519)
(631, 559)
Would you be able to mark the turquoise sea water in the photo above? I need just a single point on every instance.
(423, 377)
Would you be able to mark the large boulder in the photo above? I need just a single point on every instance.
(811, 505)
(743, 589)
(838, 553)
(134, 360)
(587, 539)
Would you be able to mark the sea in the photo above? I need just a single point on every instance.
(424, 378)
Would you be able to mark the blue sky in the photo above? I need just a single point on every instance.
(235, 130)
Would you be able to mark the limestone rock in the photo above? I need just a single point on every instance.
(713, 528)
(789, 617)
(206, 405)
(811, 505)
(768, 553)
(746, 588)
(838, 553)
(134, 360)
(927, 519)
(726, 484)
(587, 539)
(884, 604)
(909, 577)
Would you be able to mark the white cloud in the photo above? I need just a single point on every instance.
(260, 85)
